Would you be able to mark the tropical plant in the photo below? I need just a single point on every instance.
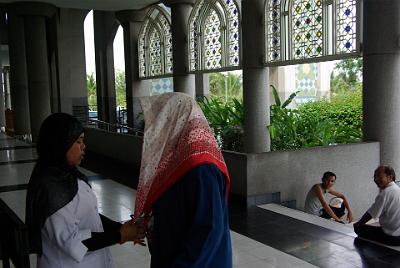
(346, 76)
(344, 111)
(226, 86)
(91, 88)
(120, 88)
(226, 120)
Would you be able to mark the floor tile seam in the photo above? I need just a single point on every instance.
(14, 187)
(18, 162)
(19, 147)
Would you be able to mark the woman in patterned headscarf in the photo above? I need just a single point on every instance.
(183, 186)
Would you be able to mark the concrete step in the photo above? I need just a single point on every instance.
(346, 229)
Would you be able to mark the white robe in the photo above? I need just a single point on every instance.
(65, 229)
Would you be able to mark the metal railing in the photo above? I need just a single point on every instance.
(95, 123)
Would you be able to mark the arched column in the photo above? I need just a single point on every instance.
(131, 21)
(202, 85)
(69, 92)
(105, 28)
(180, 12)
(35, 17)
(256, 98)
(381, 80)
(18, 74)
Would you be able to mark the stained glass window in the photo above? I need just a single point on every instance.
(307, 30)
(142, 50)
(212, 42)
(155, 53)
(194, 36)
(346, 20)
(233, 32)
(214, 35)
(274, 30)
(302, 30)
(155, 44)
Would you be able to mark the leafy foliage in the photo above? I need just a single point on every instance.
(91, 87)
(312, 124)
(346, 76)
(226, 86)
(120, 89)
(226, 120)
(316, 123)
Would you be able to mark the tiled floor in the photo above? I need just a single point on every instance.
(265, 236)
(317, 245)
(117, 201)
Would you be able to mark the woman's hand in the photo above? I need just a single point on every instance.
(132, 232)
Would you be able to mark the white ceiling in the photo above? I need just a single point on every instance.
(95, 4)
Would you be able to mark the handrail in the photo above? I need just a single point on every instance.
(114, 127)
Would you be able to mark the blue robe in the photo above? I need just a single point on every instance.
(191, 227)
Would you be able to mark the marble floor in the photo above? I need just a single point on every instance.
(266, 236)
(116, 201)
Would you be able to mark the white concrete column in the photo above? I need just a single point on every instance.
(381, 79)
(131, 21)
(180, 12)
(255, 79)
(18, 74)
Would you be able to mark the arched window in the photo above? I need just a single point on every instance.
(311, 30)
(214, 35)
(155, 44)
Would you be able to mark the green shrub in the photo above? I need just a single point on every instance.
(344, 111)
(226, 120)
(312, 124)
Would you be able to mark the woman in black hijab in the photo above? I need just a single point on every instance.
(61, 209)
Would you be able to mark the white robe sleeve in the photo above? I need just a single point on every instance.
(63, 229)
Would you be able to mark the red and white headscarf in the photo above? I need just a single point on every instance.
(177, 138)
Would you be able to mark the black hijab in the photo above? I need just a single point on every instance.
(53, 183)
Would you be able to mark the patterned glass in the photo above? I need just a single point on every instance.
(167, 43)
(274, 30)
(142, 50)
(233, 32)
(194, 36)
(307, 29)
(155, 45)
(155, 53)
(346, 26)
(212, 42)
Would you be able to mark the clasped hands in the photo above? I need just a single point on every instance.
(131, 231)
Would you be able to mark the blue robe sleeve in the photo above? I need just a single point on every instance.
(194, 213)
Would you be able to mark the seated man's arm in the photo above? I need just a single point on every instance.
(346, 204)
(318, 192)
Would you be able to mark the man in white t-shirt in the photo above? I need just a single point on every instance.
(386, 207)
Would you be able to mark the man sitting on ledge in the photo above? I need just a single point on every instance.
(386, 207)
